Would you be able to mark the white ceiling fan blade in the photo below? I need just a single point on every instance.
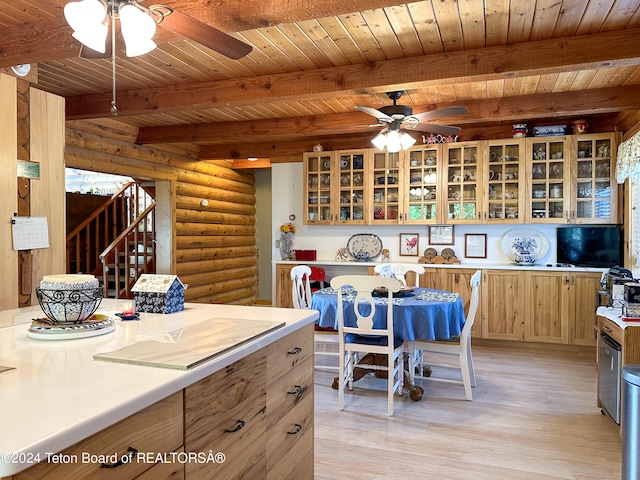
(375, 113)
(441, 113)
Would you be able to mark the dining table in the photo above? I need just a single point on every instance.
(420, 313)
(423, 313)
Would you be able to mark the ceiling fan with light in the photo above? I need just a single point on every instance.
(397, 117)
(90, 21)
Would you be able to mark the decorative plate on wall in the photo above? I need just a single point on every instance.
(536, 243)
(364, 246)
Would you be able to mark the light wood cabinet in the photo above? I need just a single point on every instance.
(548, 172)
(157, 429)
(464, 182)
(423, 200)
(503, 307)
(557, 179)
(583, 302)
(595, 192)
(283, 286)
(547, 307)
(505, 192)
(458, 280)
(386, 191)
(561, 307)
(258, 411)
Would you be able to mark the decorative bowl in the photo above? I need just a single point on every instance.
(69, 306)
(69, 298)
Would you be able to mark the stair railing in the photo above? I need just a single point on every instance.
(123, 261)
(102, 227)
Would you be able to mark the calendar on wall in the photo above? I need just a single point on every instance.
(30, 232)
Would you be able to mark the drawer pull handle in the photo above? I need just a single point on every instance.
(240, 424)
(295, 351)
(297, 390)
(132, 453)
(295, 430)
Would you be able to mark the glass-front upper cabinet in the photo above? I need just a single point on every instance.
(549, 172)
(595, 191)
(386, 192)
(422, 195)
(505, 175)
(350, 169)
(463, 182)
(318, 174)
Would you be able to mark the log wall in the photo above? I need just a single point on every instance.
(215, 245)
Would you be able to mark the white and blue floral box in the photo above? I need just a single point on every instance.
(158, 293)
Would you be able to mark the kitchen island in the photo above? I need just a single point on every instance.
(58, 398)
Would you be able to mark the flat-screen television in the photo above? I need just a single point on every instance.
(590, 246)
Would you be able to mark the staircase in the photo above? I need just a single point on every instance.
(117, 241)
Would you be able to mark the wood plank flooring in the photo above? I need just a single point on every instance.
(533, 416)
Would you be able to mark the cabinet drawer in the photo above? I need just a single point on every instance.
(225, 413)
(165, 471)
(288, 352)
(611, 329)
(290, 439)
(158, 429)
(289, 390)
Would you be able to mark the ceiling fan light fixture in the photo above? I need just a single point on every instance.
(87, 19)
(393, 141)
(138, 29)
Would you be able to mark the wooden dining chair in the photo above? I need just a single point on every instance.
(459, 347)
(359, 344)
(399, 270)
(301, 276)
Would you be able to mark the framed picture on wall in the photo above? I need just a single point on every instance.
(475, 245)
(441, 235)
(409, 244)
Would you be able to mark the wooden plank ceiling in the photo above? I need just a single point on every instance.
(534, 61)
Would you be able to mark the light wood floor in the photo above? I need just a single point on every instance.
(533, 416)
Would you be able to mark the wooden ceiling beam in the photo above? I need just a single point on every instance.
(583, 52)
(507, 109)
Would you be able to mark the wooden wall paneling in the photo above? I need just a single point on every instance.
(213, 245)
(9, 204)
(48, 193)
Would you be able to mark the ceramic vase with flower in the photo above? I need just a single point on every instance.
(286, 241)
(524, 250)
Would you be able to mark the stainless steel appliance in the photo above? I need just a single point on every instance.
(610, 372)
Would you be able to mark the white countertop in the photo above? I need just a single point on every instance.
(476, 265)
(58, 394)
(615, 315)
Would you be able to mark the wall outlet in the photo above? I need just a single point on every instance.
(278, 243)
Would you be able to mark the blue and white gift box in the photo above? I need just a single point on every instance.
(158, 293)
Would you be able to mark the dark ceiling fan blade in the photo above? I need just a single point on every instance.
(441, 113)
(433, 128)
(375, 113)
(205, 35)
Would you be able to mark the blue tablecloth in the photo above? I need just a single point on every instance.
(438, 317)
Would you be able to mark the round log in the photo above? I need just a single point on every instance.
(195, 203)
(189, 268)
(221, 287)
(194, 216)
(219, 276)
(203, 254)
(201, 241)
(240, 296)
(203, 229)
(201, 191)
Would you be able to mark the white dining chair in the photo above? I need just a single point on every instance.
(459, 347)
(301, 298)
(399, 270)
(365, 339)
